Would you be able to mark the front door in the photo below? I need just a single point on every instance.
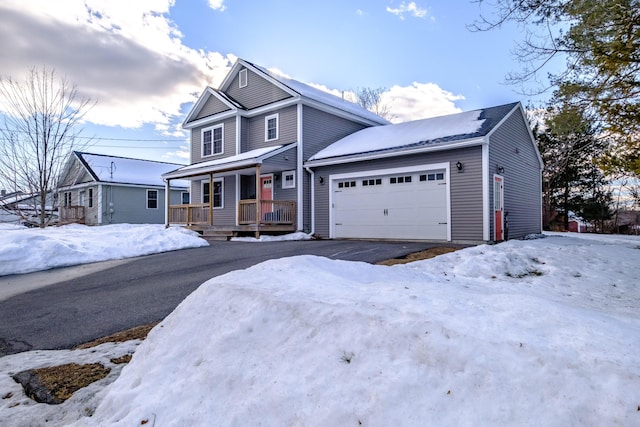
(498, 207)
(266, 193)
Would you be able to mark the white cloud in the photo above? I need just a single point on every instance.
(217, 5)
(412, 9)
(419, 101)
(126, 55)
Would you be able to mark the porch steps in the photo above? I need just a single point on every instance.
(217, 235)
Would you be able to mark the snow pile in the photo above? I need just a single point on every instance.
(537, 332)
(378, 138)
(24, 250)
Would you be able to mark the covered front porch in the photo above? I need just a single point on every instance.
(241, 194)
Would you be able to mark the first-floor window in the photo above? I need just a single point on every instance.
(81, 198)
(218, 192)
(289, 179)
(91, 197)
(67, 198)
(185, 198)
(152, 199)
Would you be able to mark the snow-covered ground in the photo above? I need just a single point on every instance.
(533, 332)
(24, 250)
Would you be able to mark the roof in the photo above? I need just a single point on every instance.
(123, 170)
(239, 161)
(318, 95)
(439, 132)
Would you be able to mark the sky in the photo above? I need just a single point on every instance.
(507, 334)
(146, 61)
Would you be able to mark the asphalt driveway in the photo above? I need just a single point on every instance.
(65, 307)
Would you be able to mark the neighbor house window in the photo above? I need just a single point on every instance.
(81, 198)
(289, 179)
(67, 198)
(242, 79)
(152, 199)
(218, 193)
(185, 198)
(271, 127)
(91, 197)
(212, 140)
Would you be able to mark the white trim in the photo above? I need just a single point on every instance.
(167, 202)
(486, 231)
(493, 206)
(313, 200)
(284, 179)
(275, 116)
(238, 134)
(383, 155)
(390, 171)
(212, 129)
(202, 99)
(300, 178)
(243, 75)
(100, 204)
(237, 175)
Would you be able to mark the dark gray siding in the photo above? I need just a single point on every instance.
(229, 141)
(465, 187)
(129, 205)
(256, 93)
(287, 129)
(511, 147)
(320, 130)
(211, 107)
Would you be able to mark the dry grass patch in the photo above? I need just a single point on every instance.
(418, 256)
(135, 333)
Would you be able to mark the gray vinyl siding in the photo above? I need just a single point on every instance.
(320, 130)
(227, 214)
(510, 146)
(257, 93)
(244, 134)
(465, 187)
(129, 205)
(287, 129)
(283, 162)
(229, 141)
(211, 107)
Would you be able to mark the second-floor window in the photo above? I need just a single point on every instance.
(212, 140)
(271, 127)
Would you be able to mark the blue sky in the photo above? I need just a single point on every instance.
(146, 61)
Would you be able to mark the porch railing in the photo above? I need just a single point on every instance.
(69, 214)
(270, 212)
(196, 214)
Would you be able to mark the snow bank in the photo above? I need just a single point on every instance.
(24, 250)
(539, 332)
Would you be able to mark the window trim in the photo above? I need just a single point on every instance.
(243, 78)
(212, 129)
(202, 193)
(275, 116)
(284, 179)
(157, 199)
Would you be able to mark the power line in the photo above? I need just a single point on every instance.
(112, 139)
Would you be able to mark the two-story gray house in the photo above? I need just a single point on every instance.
(249, 141)
(270, 154)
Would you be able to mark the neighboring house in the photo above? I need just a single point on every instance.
(451, 178)
(17, 207)
(270, 154)
(249, 139)
(97, 189)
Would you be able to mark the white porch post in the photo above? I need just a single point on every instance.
(258, 201)
(210, 199)
(167, 201)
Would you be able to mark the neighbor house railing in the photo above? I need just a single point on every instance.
(69, 214)
(270, 212)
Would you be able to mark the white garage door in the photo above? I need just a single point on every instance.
(391, 206)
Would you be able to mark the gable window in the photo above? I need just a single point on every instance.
(213, 140)
(271, 127)
(152, 199)
(218, 193)
(242, 78)
(289, 179)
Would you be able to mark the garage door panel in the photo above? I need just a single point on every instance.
(406, 206)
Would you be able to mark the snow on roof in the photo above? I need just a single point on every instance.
(315, 94)
(124, 170)
(442, 129)
(247, 158)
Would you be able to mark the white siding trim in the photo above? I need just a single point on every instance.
(238, 133)
(485, 192)
(237, 175)
(406, 169)
(100, 204)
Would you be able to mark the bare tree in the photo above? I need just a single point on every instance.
(371, 99)
(41, 117)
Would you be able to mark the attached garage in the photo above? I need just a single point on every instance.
(407, 203)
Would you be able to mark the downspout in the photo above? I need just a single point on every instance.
(167, 195)
(313, 200)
